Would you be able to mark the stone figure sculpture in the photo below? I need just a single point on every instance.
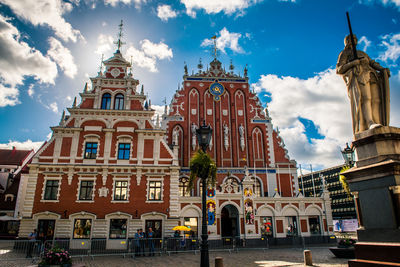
(226, 138)
(367, 86)
(241, 134)
(193, 130)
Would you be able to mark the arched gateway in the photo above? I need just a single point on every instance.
(229, 221)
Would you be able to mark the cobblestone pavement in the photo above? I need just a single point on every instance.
(271, 257)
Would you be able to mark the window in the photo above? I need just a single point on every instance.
(183, 187)
(121, 190)
(51, 190)
(267, 227)
(119, 101)
(314, 225)
(124, 151)
(257, 187)
(86, 190)
(291, 226)
(191, 222)
(118, 228)
(90, 150)
(82, 228)
(154, 190)
(106, 101)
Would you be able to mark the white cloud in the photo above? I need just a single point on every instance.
(46, 12)
(165, 12)
(62, 56)
(8, 96)
(321, 99)
(17, 60)
(53, 107)
(226, 39)
(160, 50)
(31, 92)
(391, 43)
(150, 52)
(365, 41)
(215, 6)
(137, 3)
(26, 145)
(104, 44)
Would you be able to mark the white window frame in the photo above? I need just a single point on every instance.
(121, 179)
(47, 178)
(153, 179)
(90, 138)
(80, 179)
(124, 139)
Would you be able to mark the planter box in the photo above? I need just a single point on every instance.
(347, 253)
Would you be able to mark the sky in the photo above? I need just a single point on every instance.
(50, 48)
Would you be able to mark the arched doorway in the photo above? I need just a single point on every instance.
(229, 221)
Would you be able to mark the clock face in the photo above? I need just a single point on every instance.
(216, 89)
(115, 72)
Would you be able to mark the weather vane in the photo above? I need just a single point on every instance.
(215, 50)
(119, 43)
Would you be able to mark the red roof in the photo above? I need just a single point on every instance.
(13, 156)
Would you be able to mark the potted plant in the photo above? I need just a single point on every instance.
(345, 248)
(56, 257)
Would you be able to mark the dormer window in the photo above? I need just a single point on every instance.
(106, 101)
(119, 101)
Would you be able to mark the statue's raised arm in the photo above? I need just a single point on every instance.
(367, 87)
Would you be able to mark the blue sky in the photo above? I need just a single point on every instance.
(49, 48)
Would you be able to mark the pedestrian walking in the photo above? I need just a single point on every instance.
(31, 243)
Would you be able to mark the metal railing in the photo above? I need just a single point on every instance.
(22, 249)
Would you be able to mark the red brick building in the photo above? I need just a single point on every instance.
(108, 170)
(257, 187)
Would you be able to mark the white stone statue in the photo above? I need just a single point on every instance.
(241, 137)
(367, 86)
(226, 137)
(175, 135)
(193, 129)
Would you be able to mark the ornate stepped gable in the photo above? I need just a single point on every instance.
(243, 134)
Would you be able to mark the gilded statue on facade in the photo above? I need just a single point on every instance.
(367, 87)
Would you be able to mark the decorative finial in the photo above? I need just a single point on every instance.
(62, 118)
(158, 121)
(215, 50)
(185, 68)
(149, 103)
(119, 43)
(85, 89)
(130, 69)
(146, 105)
(101, 65)
(200, 65)
(245, 71)
(74, 104)
(142, 90)
(231, 67)
(165, 106)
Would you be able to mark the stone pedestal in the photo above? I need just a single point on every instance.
(375, 183)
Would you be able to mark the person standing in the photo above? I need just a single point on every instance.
(31, 243)
(150, 236)
(137, 242)
(141, 241)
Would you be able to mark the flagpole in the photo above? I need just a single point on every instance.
(312, 179)
(302, 184)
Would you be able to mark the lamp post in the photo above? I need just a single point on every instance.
(348, 155)
(204, 136)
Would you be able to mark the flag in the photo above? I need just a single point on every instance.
(214, 37)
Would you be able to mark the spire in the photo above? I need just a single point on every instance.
(101, 65)
(119, 43)
(165, 106)
(62, 118)
(149, 103)
(158, 121)
(185, 68)
(245, 71)
(200, 65)
(130, 69)
(85, 89)
(74, 104)
(146, 106)
(142, 90)
(231, 67)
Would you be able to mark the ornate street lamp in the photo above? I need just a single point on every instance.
(348, 155)
(204, 136)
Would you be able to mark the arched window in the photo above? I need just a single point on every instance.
(183, 187)
(257, 188)
(119, 101)
(106, 101)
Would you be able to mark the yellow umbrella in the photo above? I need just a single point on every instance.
(181, 228)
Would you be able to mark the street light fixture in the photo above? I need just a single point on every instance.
(348, 155)
(204, 136)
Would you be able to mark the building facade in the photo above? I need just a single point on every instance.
(109, 170)
(312, 184)
(257, 187)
